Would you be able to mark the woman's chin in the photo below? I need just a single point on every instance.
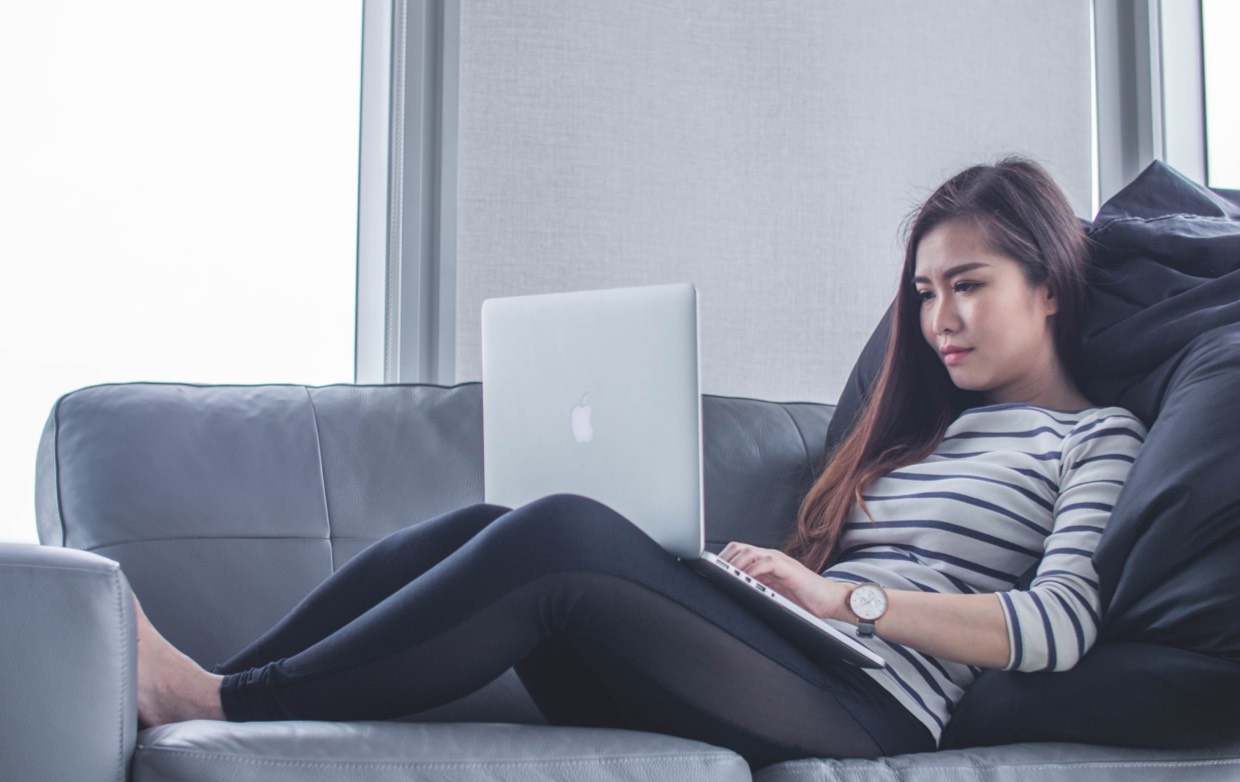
(967, 381)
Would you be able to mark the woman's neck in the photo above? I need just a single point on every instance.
(1053, 389)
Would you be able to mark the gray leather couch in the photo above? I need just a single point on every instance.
(222, 506)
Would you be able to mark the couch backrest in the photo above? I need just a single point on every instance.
(235, 501)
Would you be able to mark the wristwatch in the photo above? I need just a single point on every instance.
(869, 602)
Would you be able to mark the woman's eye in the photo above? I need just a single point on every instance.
(925, 296)
(965, 286)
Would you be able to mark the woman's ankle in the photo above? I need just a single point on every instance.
(171, 686)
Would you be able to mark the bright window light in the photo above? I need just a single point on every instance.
(1220, 19)
(178, 202)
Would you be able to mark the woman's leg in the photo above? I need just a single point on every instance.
(373, 575)
(661, 667)
(173, 688)
(648, 645)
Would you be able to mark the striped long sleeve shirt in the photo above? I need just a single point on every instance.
(1010, 487)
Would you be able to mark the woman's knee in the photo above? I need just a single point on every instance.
(568, 506)
(572, 523)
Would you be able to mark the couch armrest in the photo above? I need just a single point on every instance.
(68, 663)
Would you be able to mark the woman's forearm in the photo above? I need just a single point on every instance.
(969, 629)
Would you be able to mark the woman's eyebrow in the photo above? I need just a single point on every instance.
(953, 271)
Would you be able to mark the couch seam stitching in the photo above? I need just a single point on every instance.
(60, 507)
(124, 650)
(1084, 764)
(141, 541)
(85, 571)
(719, 757)
(804, 444)
(318, 451)
(1104, 227)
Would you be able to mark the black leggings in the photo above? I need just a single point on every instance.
(602, 625)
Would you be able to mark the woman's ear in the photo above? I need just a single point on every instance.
(1048, 300)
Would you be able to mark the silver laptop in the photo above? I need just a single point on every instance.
(597, 393)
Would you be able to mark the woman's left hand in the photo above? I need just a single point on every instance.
(969, 629)
(820, 596)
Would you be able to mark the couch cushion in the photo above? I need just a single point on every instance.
(395, 455)
(759, 459)
(378, 751)
(1021, 763)
(202, 492)
(1120, 694)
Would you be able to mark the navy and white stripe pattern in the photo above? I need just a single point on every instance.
(1010, 487)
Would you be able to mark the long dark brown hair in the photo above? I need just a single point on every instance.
(1020, 213)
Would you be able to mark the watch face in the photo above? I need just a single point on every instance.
(868, 602)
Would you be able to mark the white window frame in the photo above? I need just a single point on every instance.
(1150, 89)
(406, 248)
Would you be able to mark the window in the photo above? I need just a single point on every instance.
(179, 201)
(1219, 21)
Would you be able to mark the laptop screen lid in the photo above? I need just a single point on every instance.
(597, 393)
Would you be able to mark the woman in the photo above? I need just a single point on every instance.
(975, 459)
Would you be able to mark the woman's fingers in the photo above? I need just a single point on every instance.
(785, 575)
(754, 560)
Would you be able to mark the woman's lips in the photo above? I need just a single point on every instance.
(953, 355)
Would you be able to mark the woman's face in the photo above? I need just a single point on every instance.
(987, 324)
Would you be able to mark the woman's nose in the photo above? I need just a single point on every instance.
(945, 319)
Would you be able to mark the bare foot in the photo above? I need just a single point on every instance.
(171, 686)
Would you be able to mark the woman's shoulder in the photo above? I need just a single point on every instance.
(1108, 430)
(1014, 417)
(1113, 414)
(1110, 421)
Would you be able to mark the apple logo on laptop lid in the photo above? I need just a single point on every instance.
(583, 428)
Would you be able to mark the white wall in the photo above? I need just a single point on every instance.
(767, 151)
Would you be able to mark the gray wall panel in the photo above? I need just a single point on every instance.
(767, 151)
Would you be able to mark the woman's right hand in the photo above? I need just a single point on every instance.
(822, 597)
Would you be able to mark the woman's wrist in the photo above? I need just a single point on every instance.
(836, 604)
